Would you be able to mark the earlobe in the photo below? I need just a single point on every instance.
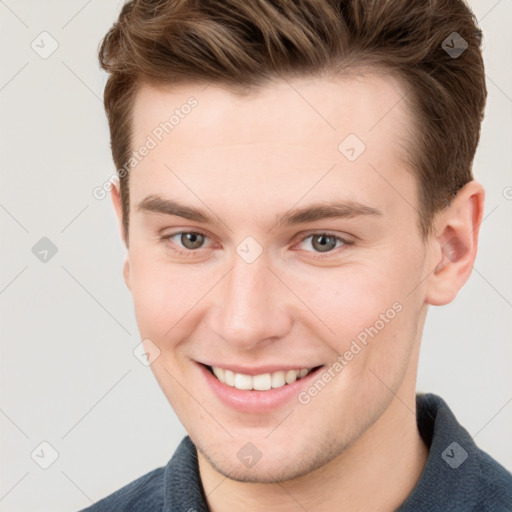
(457, 240)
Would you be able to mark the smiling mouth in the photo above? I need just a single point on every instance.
(262, 382)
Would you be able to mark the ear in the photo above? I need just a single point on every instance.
(455, 244)
(115, 196)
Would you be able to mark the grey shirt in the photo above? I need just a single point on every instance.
(458, 476)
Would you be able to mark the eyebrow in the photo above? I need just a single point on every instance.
(326, 210)
(156, 204)
(318, 211)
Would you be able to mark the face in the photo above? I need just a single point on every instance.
(265, 239)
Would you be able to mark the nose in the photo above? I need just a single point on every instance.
(250, 309)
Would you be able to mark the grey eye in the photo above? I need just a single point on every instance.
(323, 243)
(192, 240)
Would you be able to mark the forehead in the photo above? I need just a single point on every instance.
(291, 109)
(287, 132)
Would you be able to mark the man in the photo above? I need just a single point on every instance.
(295, 191)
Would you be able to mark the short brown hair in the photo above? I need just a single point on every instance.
(246, 43)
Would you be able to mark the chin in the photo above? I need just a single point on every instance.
(281, 466)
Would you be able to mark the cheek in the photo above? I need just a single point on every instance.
(367, 302)
(166, 297)
(159, 294)
(348, 300)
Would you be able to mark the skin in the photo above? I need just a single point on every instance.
(247, 159)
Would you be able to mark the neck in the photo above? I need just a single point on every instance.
(377, 472)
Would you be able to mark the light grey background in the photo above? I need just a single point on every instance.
(68, 374)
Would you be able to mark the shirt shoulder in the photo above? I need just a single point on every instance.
(174, 487)
(458, 475)
(495, 484)
(145, 494)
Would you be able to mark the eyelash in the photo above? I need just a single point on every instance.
(318, 256)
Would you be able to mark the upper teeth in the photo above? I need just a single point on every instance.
(261, 382)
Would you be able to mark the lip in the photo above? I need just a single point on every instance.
(252, 401)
